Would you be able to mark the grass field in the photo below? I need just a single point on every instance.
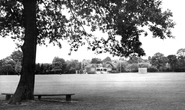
(128, 91)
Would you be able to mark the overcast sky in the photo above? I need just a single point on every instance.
(150, 45)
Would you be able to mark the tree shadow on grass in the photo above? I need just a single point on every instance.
(58, 100)
(33, 104)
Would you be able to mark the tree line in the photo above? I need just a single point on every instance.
(156, 63)
(11, 65)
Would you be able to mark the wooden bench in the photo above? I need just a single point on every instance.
(68, 96)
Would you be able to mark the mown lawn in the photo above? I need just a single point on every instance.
(127, 91)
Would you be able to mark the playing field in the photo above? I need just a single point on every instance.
(127, 91)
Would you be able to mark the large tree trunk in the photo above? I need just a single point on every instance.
(25, 88)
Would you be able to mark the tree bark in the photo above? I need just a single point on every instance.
(25, 88)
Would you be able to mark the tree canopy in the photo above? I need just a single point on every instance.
(181, 52)
(16, 56)
(159, 61)
(57, 20)
(58, 64)
(172, 60)
(96, 60)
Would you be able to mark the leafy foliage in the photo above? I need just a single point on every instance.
(43, 68)
(17, 56)
(132, 67)
(181, 61)
(134, 59)
(122, 66)
(173, 61)
(96, 61)
(58, 64)
(159, 61)
(7, 66)
(70, 20)
(73, 66)
(12, 63)
(181, 52)
(18, 67)
(123, 18)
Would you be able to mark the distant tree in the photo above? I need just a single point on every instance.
(1, 62)
(84, 63)
(76, 64)
(132, 67)
(149, 58)
(37, 68)
(181, 62)
(96, 61)
(73, 66)
(18, 68)
(173, 61)
(143, 65)
(8, 66)
(159, 61)
(134, 59)
(121, 66)
(181, 52)
(58, 64)
(43, 68)
(7, 69)
(17, 56)
(47, 68)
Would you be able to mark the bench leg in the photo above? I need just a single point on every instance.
(68, 97)
(39, 97)
(8, 97)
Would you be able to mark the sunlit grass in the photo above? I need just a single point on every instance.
(153, 91)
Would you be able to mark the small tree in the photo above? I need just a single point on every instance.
(181, 59)
(18, 68)
(17, 56)
(133, 59)
(173, 61)
(181, 52)
(121, 66)
(181, 62)
(8, 66)
(73, 66)
(58, 64)
(96, 61)
(132, 67)
(159, 61)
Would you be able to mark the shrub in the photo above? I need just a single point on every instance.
(91, 72)
(143, 65)
(180, 69)
(152, 69)
(132, 67)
